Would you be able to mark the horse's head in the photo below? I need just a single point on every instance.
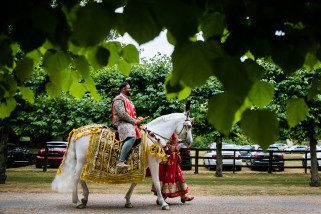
(184, 129)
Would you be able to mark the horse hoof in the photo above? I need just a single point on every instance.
(84, 202)
(129, 205)
(166, 207)
(81, 206)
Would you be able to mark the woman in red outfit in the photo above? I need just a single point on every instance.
(170, 174)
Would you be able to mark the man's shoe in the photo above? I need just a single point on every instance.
(121, 164)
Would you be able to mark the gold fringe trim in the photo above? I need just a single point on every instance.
(158, 151)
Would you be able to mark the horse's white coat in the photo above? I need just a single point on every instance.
(69, 178)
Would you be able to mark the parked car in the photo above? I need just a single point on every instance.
(56, 151)
(247, 150)
(297, 148)
(18, 156)
(186, 163)
(308, 162)
(227, 158)
(280, 146)
(260, 159)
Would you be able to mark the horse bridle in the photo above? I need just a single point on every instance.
(185, 125)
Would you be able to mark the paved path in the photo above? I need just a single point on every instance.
(107, 203)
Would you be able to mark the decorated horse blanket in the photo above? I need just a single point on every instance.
(102, 156)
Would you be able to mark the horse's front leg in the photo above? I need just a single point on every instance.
(129, 194)
(153, 164)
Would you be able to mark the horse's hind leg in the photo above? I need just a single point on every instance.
(79, 166)
(85, 193)
(129, 194)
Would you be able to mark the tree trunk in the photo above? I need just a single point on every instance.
(3, 154)
(315, 179)
(219, 161)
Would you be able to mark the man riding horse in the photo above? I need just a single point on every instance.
(124, 118)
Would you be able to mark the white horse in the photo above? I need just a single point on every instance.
(163, 127)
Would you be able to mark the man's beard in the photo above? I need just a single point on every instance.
(127, 93)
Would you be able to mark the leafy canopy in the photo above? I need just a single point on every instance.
(67, 38)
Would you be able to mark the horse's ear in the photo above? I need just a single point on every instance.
(188, 106)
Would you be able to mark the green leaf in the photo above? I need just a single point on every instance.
(7, 107)
(183, 94)
(315, 88)
(89, 85)
(261, 94)
(102, 56)
(115, 50)
(221, 111)
(124, 67)
(192, 62)
(77, 89)
(254, 72)
(10, 86)
(237, 77)
(172, 88)
(24, 68)
(130, 54)
(55, 63)
(238, 115)
(296, 111)
(98, 56)
(92, 25)
(140, 22)
(170, 38)
(180, 91)
(181, 18)
(6, 57)
(27, 94)
(35, 55)
(288, 56)
(44, 19)
(261, 126)
(57, 66)
(82, 66)
(311, 62)
(212, 24)
(53, 90)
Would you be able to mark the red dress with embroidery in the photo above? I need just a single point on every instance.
(170, 174)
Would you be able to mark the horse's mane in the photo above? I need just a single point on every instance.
(164, 118)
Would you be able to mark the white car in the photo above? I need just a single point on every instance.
(297, 148)
(280, 146)
(227, 157)
(308, 162)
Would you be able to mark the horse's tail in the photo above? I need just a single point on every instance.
(64, 180)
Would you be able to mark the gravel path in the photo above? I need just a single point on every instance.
(109, 203)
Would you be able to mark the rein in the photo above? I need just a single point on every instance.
(154, 135)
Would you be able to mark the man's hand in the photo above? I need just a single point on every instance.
(139, 120)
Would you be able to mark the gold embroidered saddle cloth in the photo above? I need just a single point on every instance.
(102, 155)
